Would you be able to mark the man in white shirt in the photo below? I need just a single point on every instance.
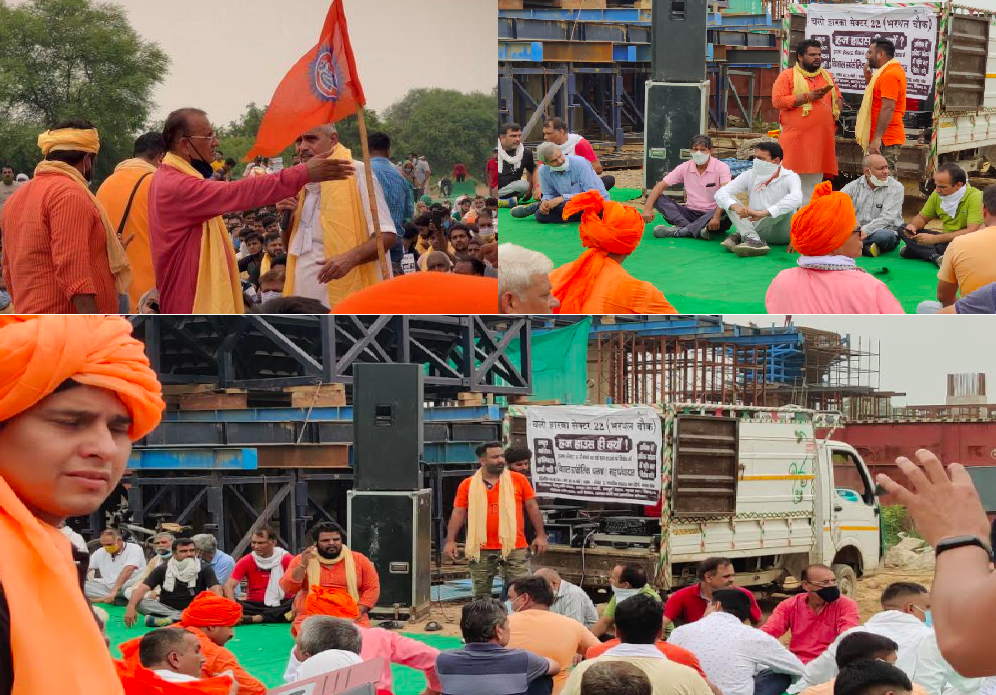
(775, 195)
(569, 599)
(878, 204)
(331, 246)
(937, 676)
(115, 567)
(737, 658)
(905, 607)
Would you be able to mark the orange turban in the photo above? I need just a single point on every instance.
(138, 680)
(618, 230)
(211, 610)
(821, 227)
(336, 602)
(431, 293)
(38, 353)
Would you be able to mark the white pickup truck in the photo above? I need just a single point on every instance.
(753, 484)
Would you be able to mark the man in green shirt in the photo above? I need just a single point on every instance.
(627, 580)
(955, 203)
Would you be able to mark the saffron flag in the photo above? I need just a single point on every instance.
(322, 87)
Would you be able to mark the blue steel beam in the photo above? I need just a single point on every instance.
(624, 15)
(520, 51)
(333, 414)
(192, 459)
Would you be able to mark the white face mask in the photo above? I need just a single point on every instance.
(878, 183)
(764, 170)
(700, 158)
(267, 296)
(562, 167)
(623, 594)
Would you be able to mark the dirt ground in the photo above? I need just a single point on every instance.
(869, 590)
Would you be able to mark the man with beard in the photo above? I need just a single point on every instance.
(491, 502)
(178, 581)
(331, 579)
(514, 158)
(61, 254)
(809, 104)
(262, 570)
(75, 392)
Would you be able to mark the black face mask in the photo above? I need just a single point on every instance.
(203, 168)
(829, 593)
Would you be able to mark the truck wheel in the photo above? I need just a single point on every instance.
(847, 579)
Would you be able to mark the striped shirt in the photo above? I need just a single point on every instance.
(489, 668)
(399, 196)
(573, 602)
(55, 248)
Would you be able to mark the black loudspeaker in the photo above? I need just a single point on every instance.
(387, 426)
(393, 530)
(678, 41)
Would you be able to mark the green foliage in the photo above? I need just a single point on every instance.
(895, 518)
(73, 59)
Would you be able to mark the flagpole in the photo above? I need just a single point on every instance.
(372, 195)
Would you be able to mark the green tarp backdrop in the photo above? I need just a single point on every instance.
(560, 363)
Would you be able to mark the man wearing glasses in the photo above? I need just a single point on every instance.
(815, 617)
(192, 252)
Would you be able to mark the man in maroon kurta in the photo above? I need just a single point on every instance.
(179, 204)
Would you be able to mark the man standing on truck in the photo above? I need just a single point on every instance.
(491, 503)
(816, 617)
(879, 128)
(808, 103)
(689, 605)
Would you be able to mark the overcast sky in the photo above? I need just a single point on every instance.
(227, 53)
(917, 352)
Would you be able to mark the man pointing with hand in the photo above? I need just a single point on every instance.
(192, 253)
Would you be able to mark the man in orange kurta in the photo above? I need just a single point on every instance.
(808, 103)
(212, 619)
(346, 579)
(130, 184)
(596, 283)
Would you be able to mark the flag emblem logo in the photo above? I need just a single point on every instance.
(326, 78)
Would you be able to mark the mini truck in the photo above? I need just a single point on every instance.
(753, 484)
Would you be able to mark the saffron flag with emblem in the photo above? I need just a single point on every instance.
(322, 87)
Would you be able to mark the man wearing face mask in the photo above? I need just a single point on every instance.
(179, 581)
(703, 175)
(775, 193)
(626, 580)
(192, 251)
(878, 204)
(162, 546)
(956, 203)
(61, 253)
(561, 179)
(816, 617)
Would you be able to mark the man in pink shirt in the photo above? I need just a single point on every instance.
(555, 131)
(702, 175)
(180, 204)
(816, 617)
(322, 632)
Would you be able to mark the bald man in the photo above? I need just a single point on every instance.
(878, 203)
(569, 600)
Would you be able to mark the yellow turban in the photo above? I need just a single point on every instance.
(69, 139)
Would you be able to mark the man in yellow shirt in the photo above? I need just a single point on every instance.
(970, 260)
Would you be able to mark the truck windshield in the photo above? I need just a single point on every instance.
(850, 476)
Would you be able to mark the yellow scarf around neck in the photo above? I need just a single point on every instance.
(343, 226)
(219, 290)
(345, 557)
(862, 128)
(136, 163)
(799, 86)
(116, 256)
(477, 515)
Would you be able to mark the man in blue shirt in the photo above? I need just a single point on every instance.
(207, 550)
(561, 179)
(398, 191)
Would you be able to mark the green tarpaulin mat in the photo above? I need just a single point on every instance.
(263, 650)
(559, 363)
(701, 277)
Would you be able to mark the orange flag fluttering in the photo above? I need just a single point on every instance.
(322, 87)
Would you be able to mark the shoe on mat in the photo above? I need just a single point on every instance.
(153, 621)
(730, 242)
(937, 260)
(705, 235)
(521, 211)
(751, 247)
(874, 251)
(663, 231)
(503, 203)
(433, 626)
(903, 252)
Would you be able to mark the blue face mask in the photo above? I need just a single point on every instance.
(928, 618)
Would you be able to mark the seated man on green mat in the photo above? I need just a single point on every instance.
(775, 195)
(703, 175)
(514, 159)
(956, 203)
(561, 179)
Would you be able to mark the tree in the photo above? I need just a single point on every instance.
(73, 59)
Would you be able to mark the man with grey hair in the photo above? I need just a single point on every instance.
(207, 550)
(331, 241)
(162, 547)
(524, 281)
(561, 178)
(878, 204)
(569, 600)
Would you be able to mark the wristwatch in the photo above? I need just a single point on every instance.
(953, 542)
